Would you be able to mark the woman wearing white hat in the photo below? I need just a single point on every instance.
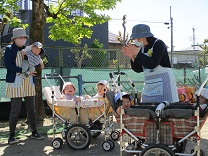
(149, 55)
(18, 87)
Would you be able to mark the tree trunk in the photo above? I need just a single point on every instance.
(37, 34)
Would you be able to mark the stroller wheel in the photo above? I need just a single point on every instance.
(78, 137)
(96, 126)
(107, 145)
(112, 143)
(115, 135)
(57, 143)
(155, 150)
(201, 152)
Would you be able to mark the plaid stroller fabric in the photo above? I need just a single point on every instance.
(183, 126)
(134, 124)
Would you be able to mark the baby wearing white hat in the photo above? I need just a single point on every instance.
(102, 87)
(203, 99)
(68, 92)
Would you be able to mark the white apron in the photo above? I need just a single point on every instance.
(159, 85)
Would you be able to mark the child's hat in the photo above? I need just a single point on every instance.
(39, 45)
(68, 84)
(104, 82)
(204, 92)
(117, 96)
(19, 32)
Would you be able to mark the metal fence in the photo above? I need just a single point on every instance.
(96, 64)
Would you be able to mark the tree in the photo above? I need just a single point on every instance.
(66, 25)
(80, 54)
(203, 59)
(99, 57)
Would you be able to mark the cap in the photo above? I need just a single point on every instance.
(204, 92)
(39, 45)
(140, 31)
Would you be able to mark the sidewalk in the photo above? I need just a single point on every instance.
(28, 146)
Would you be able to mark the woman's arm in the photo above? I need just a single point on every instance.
(159, 56)
(9, 59)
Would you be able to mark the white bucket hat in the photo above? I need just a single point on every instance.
(68, 83)
(19, 32)
(104, 82)
(204, 92)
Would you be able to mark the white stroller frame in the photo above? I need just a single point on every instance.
(102, 123)
(143, 150)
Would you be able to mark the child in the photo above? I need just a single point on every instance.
(68, 92)
(203, 99)
(102, 87)
(126, 101)
(32, 58)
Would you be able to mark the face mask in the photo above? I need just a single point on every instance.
(20, 41)
(138, 44)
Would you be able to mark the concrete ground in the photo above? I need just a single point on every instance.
(30, 147)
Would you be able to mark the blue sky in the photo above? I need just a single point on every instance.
(186, 14)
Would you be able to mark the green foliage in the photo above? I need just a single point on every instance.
(72, 28)
(99, 57)
(80, 54)
(203, 58)
(67, 26)
(7, 10)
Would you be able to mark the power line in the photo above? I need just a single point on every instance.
(146, 21)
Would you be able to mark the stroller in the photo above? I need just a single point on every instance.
(160, 129)
(81, 120)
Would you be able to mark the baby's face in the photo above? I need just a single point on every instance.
(35, 50)
(69, 89)
(203, 100)
(126, 103)
(100, 89)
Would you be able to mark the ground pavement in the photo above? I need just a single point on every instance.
(30, 147)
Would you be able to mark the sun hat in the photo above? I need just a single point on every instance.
(140, 31)
(204, 92)
(104, 82)
(39, 45)
(117, 96)
(19, 32)
(66, 84)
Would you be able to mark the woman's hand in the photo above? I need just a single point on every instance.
(33, 73)
(131, 51)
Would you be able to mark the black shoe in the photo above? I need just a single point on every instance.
(37, 136)
(12, 140)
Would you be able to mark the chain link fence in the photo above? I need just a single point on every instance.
(96, 64)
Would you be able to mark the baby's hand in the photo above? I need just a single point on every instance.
(87, 96)
(78, 99)
(23, 52)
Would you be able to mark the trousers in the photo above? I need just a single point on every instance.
(16, 104)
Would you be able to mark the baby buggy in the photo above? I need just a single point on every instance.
(81, 120)
(160, 129)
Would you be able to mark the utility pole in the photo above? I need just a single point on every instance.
(171, 29)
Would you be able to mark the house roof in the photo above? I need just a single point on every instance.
(112, 38)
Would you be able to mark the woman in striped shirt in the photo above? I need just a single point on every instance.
(18, 86)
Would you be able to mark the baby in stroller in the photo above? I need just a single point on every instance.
(102, 87)
(125, 103)
(68, 92)
(203, 99)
